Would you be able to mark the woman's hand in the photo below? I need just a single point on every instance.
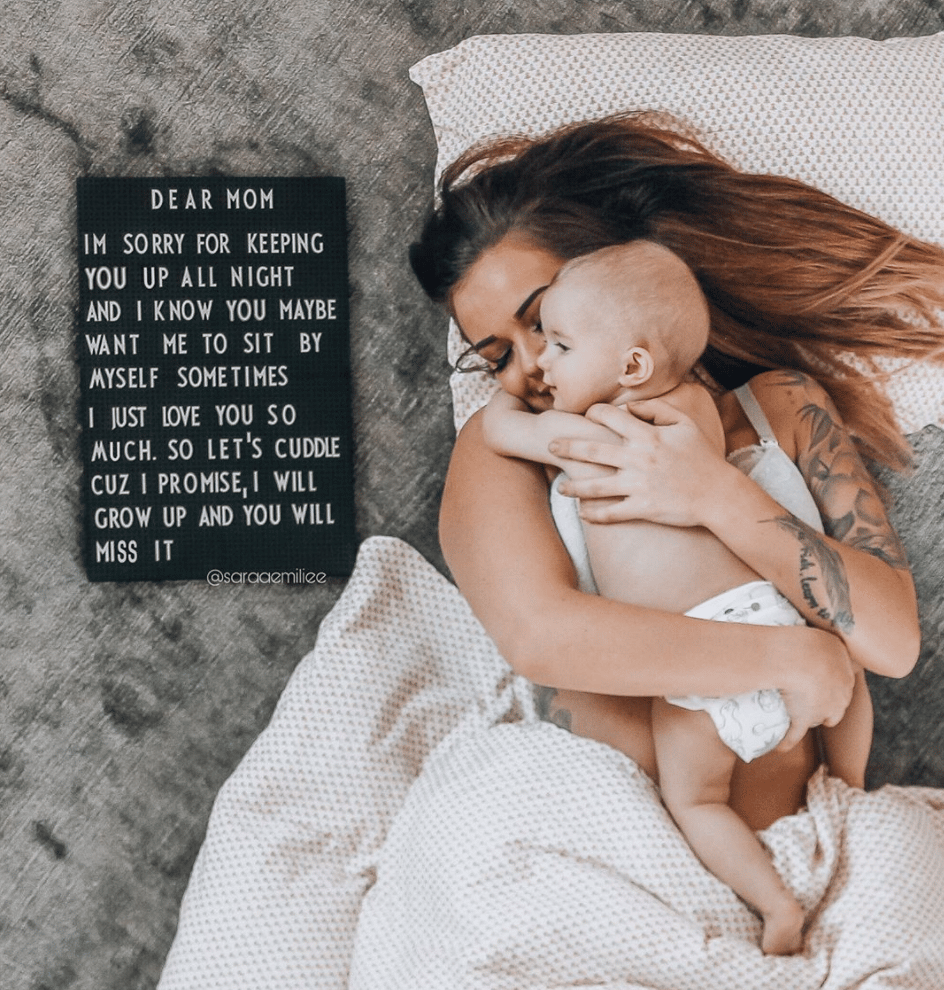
(816, 684)
(665, 469)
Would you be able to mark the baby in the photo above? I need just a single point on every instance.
(622, 324)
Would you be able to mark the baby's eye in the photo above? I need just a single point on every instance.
(563, 348)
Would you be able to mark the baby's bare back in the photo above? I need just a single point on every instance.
(667, 567)
(664, 567)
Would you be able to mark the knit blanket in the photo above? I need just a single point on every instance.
(406, 822)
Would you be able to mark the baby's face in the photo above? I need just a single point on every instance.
(583, 351)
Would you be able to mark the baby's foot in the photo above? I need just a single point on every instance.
(783, 930)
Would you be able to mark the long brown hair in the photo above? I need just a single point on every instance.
(794, 278)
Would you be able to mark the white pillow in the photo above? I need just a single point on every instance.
(862, 120)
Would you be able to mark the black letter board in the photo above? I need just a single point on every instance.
(214, 351)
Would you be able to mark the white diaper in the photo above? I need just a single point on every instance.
(752, 723)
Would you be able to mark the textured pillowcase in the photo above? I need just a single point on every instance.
(862, 120)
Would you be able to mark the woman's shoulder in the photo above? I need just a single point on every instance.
(788, 397)
(787, 384)
(789, 390)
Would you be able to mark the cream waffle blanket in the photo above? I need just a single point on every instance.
(525, 857)
(406, 822)
(295, 833)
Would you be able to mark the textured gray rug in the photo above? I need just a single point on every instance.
(123, 707)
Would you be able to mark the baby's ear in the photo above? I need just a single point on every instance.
(638, 367)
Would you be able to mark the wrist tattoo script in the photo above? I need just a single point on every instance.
(823, 579)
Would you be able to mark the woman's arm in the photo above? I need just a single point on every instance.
(852, 582)
(501, 545)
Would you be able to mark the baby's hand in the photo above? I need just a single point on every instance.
(663, 466)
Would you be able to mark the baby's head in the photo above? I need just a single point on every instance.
(628, 321)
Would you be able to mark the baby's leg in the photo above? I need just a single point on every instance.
(847, 744)
(695, 770)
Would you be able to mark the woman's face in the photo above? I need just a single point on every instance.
(497, 306)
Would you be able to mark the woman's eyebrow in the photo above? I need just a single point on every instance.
(523, 308)
(519, 312)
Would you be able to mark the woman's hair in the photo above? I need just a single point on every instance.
(793, 277)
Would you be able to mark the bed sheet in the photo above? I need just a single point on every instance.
(528, 858)
(294, 836)
(407, 822)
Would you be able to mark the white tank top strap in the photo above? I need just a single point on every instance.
(756, 415)
(770, 466)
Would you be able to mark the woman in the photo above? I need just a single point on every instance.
(793, 279)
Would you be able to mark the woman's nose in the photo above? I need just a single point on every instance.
(532, 355)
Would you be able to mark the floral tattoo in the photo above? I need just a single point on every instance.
(840, 480)
(852, 512)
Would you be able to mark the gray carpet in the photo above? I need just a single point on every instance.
(123, 707)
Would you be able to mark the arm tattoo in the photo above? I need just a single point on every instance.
(822, 576)
(852, 512)
(848, 529)
(549, 710)
(838, 478)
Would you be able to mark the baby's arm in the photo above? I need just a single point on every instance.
(512, 429)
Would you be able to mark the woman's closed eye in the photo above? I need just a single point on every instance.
(493, 355)
(498, 365)
(490, 357)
